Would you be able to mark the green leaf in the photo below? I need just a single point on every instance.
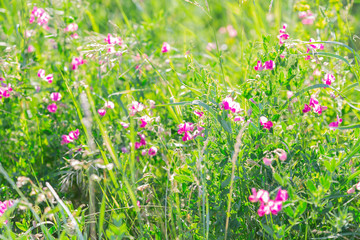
(300, 208)
(311, 186)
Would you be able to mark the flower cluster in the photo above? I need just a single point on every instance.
(4, 206)
(283, 35)
(112, 41)
(41, 74)
(40, 14)
(73, 135)
(328, 79)
(108, 104)
(230, 30)
(314, 104)
(188, 130)
(55, 96)
(268, 65)
(72, 27)
(313, 46)
(142, 141)
(136, 107)
(165, 47)
(336, 124)
(76, 62)
(5, 91)
(265, 123)
(269, 156)
(307, 18)
(267, 205)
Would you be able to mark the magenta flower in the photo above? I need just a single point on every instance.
(73, 135)
(72, 27)
(269, 65)
(52, 108)
(198, 113)
(319, 109)
(40, 14)
(74, 36)
(185, 127)
(282, 195)
(307, 17)
(55, 96)
(283, 35)
(49, 78)
(229, 104)
(76, 62)
(239, 119)
(265, 123)
(113, 40)
(316, 45)
(259, 66)
(41, 73)
(165, 47)
(136, 107)
(275, 206)
(4, 206)
(102, 112)
(350, 191)
(261, 195)
(144, 121)
(153, 151)
(328, 79)
(283, 156)
(125, 125)
(336, 124)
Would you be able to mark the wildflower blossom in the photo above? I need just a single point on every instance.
(109, 104)
(153, 151)
(4, 206)
(125, 125)
(336, 124)
(210, 46)
(39, 13)
(268, 65)
(55, 96)
(267, 161)
(52, 108)
(73, 135)
(31, 49)
(165, 47)
(113, 40)
(136, 107)
(328, 79)
(231, 31)
(267, 205)
(307, 17)
(76, 62)
(229, 104)
(144, 121)
(72, 27)
(102, 112)
(265, 123)
(283, 35)
(198, 113)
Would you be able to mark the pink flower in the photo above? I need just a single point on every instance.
(211, 46)
(289, 94)
(316, 45)
(283, 35)
(263, 210)
(72, 27)
(49, 78)
(267, 161)
(144, 121)
(30, 49)
(153, 151)
(313, 101)
(4, 206)
(137, 145)
(76, 62)
(261, 195)
(138, 203)
(259, 66)
(187, 136)
(40, 14)
(328, 79)
(74, 36)
(275, 206)
(102, 112)
(229, 104)
(144, 152)
(113, 40)
(55, 96)
(358, 186)
(109, 104)
(269, 65)
(198, 113)
(185, 127)
(165, 47)
(73, 135)
(238, 119)
(41, 73)
(319, 109)
(350, 191)
(283, 156)
(336, 124)
(52, 108)
(307, 58)
(125, 125)
(231, 31)
(265, 123)
(136, 107)
(308, 20)
(152, 104)
(282, 195)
